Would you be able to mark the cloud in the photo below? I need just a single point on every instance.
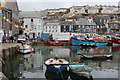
(28, 5)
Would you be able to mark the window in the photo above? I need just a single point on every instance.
(26, 26)
(31, 20)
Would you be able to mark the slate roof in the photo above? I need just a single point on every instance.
(52, 24)
(29, 14)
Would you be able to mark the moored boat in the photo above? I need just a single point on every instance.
(80, 72)
(56, 65)
(24, 49)
(116, 39)
(96, 56)
(56, 43)
(77, 42)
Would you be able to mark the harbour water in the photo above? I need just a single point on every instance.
(30, 66)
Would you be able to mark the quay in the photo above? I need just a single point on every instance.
(7, 49)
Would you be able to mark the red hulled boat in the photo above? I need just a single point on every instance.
(116, 39)
(56, 43)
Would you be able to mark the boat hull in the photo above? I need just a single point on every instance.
(55, 70)
(81, 72)
(52, 76)
(115, 41)
(76, 42)
(25, 51)
(53, 44)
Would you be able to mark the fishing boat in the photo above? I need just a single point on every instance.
(55, 43)
(56, 65)
(96, 56)
(87, 43)
(80, 72)
(116, 39)
(24, 49)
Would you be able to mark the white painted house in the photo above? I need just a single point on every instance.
(32, 23)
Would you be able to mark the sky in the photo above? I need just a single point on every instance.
(37, 5)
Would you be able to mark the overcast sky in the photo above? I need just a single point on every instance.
(37, 5)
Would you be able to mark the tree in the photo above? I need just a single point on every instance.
(67, 11)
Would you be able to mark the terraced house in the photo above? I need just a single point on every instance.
(11, 16)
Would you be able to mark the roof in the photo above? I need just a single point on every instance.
(52, 24)
(87, 23)
(29, 14)
(114, 22)
(84, 21)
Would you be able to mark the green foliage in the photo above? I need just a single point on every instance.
(84, 14)
(67, 11)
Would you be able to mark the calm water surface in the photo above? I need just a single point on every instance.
(32, 65)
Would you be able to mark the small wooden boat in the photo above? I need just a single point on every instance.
(80, 72)
(56, 65)
(25, 49)
(54, 43)
(96, 56)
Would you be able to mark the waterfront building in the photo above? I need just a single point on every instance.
(32, 23)
(79, 19)
(114, 26)
(13, 6)
(101, 21)
(86, 25)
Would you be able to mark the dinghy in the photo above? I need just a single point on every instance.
(24, 49)
(80, 71)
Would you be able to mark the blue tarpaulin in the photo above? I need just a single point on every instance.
(45, 36)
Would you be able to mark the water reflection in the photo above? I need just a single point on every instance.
(102, 69)
(32, 65)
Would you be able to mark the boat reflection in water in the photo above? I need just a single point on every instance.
(102, 69)
(66, 75)
(52, 76)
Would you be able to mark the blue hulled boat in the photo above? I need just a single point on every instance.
(81, 70)
(77, 42)
(56, 65)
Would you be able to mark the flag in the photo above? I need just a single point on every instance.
(1, 7)
(1, 15)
